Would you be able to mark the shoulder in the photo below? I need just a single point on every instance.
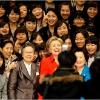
(47, 59)
(3, 78)
(65, 79)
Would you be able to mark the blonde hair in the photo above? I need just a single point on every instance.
(50, 40)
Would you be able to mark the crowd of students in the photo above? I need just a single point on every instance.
(34, 33)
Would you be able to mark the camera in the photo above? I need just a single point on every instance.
(64, 47)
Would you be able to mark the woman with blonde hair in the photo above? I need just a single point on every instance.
(48, 65)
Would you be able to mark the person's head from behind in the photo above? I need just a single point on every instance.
(67, 59)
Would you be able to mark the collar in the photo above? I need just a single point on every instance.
(26, 64)
(77, 9)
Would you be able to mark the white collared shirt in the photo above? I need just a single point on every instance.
(28, 67)
(90, 60)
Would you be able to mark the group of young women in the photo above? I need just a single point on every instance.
(52, 27)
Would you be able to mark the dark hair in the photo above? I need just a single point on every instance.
(95, 68)
(2, 24)
(35, 5)
(64, 37)
(83, 31)
(67, 3)
(64, 3)
(2, 68)
(21, 29)
(59, 23)
(92, 4)
(53, 10)
(94, 40)
(66, 59)
(27, 44)
(34, 36)
(31, 17)
(3, 4)
(15, 9)
(6, 42)
(82, 52)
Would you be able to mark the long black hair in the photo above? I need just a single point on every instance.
(2, 68)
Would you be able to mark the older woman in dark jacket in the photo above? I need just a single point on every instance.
(65, 83)
(23, 79)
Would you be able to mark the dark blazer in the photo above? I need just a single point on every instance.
(21, 85)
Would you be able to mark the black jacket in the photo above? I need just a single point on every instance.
(64, 84)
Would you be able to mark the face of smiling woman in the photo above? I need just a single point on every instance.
(28, 54)
(7, 50)
(55, 47)
(37, 12)
(51, 18)
(80, 40)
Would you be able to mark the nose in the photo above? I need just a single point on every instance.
(64, 12)
(78, 41)
(10, 50)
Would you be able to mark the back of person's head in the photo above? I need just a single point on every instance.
(95, 69)
(66, 59)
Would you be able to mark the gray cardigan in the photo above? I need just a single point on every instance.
(3, 87)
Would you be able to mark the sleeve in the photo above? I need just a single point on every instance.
(43, 67)
(4, 91)
(12, 83)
